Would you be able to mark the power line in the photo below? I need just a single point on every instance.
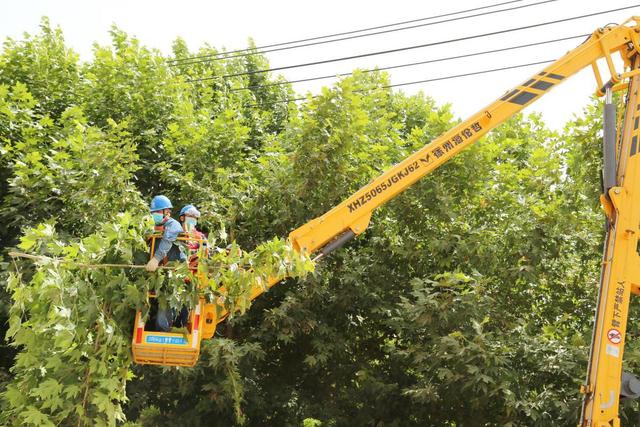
(474, 73)
(384, 52)
(343, 33)
(188, 62)
(411, 64)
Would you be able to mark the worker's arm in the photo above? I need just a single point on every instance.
(171, 231)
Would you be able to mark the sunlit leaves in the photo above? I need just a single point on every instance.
(72, 326)
(238, 273)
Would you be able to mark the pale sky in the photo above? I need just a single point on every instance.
(229, 24)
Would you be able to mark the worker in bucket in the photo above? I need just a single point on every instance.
(166, 250)
(188, 217)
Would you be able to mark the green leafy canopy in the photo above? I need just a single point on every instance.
(467, 302)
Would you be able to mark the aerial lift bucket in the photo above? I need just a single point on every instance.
(173, 348)
(168, 348)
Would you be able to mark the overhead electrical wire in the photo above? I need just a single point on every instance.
(196, 61)
(345, 32)
(412, 47)
(411, 64)
(473, 73)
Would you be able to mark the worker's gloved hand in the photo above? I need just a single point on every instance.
(152, 265)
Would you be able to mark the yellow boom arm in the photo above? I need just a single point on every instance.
(621, 201)
(352, 215)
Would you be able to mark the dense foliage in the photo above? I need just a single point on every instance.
(468, 301)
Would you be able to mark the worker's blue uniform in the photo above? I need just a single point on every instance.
(168, 247)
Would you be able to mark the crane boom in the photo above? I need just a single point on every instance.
(621, 201)
(352, 215)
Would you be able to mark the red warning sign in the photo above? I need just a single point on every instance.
(614, 336)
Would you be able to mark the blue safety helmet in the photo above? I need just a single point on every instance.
(185, 208)
(190, 210)
(159, 203)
